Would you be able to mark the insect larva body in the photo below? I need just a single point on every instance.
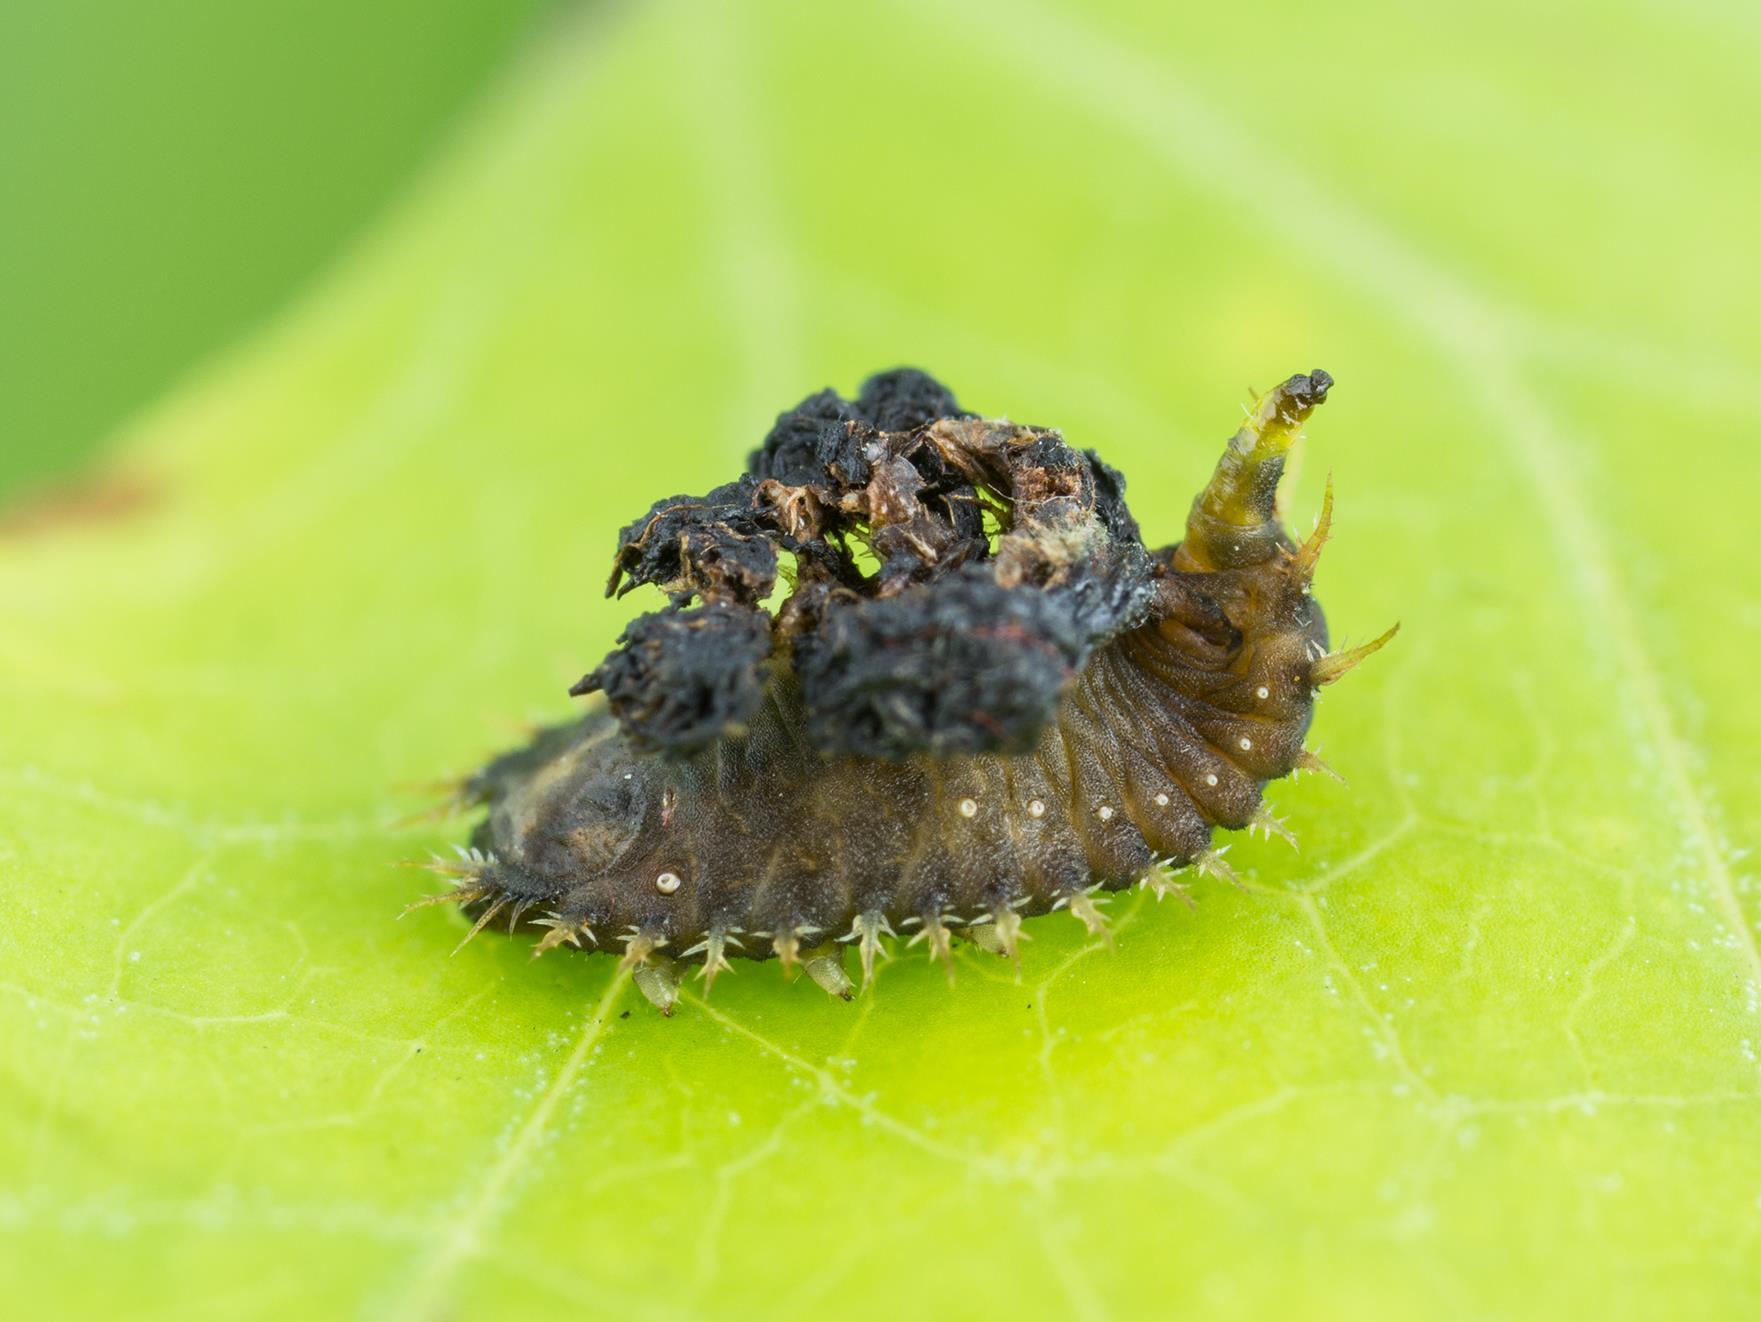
(921, 754)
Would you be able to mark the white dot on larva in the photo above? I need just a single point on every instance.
(969, 807)
(1105, 813)
(1161, 800)
(668, 882)
(1211, 778)
(1262, 692)
(1246, 743)
(1036, 808)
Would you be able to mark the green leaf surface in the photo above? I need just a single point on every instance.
(1486, 1047)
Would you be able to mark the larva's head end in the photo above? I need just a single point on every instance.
(1234, 520)
(1308, 392)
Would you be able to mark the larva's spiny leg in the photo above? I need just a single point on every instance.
(714, 949)
(638, 946)
(494, 907)
(1211, 864)
(1266, 820)
(1085, 905)
(1161, 881)
(787, 945)
(561, 930)
(471, 864)
(935, 932)
(1307, 760)
(867, 931)
(468, 892)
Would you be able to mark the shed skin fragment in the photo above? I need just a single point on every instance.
(988, 727)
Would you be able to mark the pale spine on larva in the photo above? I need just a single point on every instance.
(757, 843)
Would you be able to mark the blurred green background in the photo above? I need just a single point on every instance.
(1488, 1046)
(173, 170)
